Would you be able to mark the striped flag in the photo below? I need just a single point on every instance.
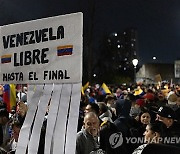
(5, 59)
(104, 89)
(9, 96)
(64, 50)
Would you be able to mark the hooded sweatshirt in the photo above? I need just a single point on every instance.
(124, 121)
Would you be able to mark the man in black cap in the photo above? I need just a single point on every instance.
(167, 116)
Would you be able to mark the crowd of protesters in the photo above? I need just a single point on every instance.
(130, 119)
(11, 122)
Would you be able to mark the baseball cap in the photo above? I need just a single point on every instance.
(166, 112)
(149, 96)
(140, 102)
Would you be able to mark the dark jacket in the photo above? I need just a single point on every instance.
(174, 130)
(85, 143)
(113, 135)
(111, 139)
(1, 135)
(124, 122)
(157, 149)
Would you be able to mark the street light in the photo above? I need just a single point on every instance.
(135, 62)
(154, 58)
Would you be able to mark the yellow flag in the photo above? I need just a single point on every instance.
(83, 88)
(12, 95)
(105, 89)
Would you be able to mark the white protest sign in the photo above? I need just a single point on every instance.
(42, 51)
(46, 54)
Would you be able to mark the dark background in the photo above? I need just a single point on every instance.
(157, 23)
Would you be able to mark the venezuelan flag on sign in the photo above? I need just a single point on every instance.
(104, 89)
(64, 50)
(6, 59)
(9, 96)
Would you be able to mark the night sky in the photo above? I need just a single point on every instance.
(157, 21)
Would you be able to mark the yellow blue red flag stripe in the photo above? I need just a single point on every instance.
(64, 50)
(5, 59)
(9, 96)
(104, 89)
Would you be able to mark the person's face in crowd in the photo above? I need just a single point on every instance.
(91, 125)
(168, 122)
(88, 109)
(22, 109)
(3, 120)
(118, 92)
(15, 134)
(150, 136)
(111, 103)
(136, 105)
(145, 118)
(161, 97)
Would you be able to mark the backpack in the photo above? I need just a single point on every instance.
(128, 127)
(111, 139)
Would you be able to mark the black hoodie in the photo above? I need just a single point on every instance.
(124, 121)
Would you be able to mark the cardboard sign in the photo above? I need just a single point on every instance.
(47, 50)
